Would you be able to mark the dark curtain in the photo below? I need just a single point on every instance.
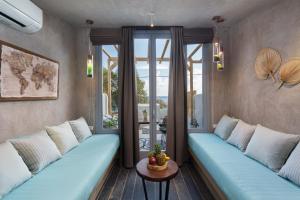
(128, 101)
(177, 125)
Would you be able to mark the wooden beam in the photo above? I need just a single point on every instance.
(149, 55)
(191, 90)
(141, 59)
(109, 87)
(164, 51)
(106, 53)
(194, 51)
(157, 59)
(113, 65)
(116, 47)
(196, 61)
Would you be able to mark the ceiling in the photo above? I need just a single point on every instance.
(117, 13)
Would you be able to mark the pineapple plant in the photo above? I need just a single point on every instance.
(161, 159)
(157, 157)
(157, 149)
(151, 154)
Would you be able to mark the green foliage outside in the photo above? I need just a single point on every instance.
(112, 122)
(141, 92)
(114, 88)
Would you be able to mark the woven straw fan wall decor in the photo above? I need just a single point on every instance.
(289, 73)
(267, 63)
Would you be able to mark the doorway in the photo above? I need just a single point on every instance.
(152, 62)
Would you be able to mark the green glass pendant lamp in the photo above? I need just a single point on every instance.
(90, 58)
(90, 66)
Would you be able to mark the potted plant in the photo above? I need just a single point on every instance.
(145, 114)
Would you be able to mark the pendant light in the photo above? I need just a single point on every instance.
(151, 14)
(90, 58)
(218, 50)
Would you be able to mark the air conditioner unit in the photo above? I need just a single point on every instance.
(22, 15)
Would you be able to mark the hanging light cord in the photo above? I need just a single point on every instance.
(89, 42)
(91, 103)
(151, 14)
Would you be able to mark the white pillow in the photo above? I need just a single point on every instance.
(63, 136)
(80, 129)
(270, 147)
(291, 169)
(241, 135)
(225, 127)
(13, 171)
(37, 150)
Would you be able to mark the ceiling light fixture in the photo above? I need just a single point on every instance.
(151, 19)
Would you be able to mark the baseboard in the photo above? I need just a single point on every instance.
(209, 181)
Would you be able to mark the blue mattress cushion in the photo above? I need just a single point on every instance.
(75, 175)
(238, 176)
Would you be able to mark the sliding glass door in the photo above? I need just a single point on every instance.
(152, 60)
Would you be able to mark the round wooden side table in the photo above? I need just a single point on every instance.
(157, 176)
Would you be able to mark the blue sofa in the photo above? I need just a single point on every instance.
(75, 175)
(237, 176)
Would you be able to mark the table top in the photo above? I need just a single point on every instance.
(156, 176)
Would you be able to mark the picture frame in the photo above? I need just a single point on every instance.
(26, 75)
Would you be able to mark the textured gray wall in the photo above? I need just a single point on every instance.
(86, 91)
(57, 41)
(258, 101)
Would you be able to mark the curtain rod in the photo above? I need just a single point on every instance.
(151, 28)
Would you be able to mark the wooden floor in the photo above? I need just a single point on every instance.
(126, 184)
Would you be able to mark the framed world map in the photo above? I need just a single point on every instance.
(25, 75)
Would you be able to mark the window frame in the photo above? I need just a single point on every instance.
(99, 90)
(206, 71)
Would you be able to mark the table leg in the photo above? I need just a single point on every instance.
(167, 190)
(145, 189)
(160, 190)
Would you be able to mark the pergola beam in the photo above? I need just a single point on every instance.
(164, 51)
(191, 69)
(196, 61)
(142, 59)
(116, 48)
(113, 61)
(194, 51)
(106, 53)
(111, 66)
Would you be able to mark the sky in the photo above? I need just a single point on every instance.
(162, 69)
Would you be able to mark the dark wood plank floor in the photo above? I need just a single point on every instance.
(126, 184)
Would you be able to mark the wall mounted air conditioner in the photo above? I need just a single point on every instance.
(22, 15)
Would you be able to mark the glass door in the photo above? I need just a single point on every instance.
(152, 60)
